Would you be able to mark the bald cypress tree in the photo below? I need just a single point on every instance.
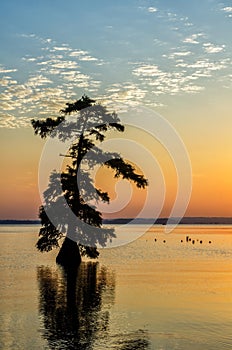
(88, 129)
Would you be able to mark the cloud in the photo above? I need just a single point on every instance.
(58, 74)
(192, 89)
(38, 80)
(36, 37)
(39, 95)
(9, 121)
(159, 42)
(161, 82)
(64, 64)
(87, 58)
(76, 77)
(4, 97)
(44, 63)
(27, 35)
(227, 9)
(78, 53)
(178, 54)
(82, 55)
(4, 70)
(61, 48)
(205, 64)
(211, 48)
(52, 79)
(147, 70)
(6, 106)
(127, 93)
(182, 77)
(29, 59)
(152, 9)
(182, 53)
(192, 39)
(34, 97)
(57, 66)
(6, 81)
(172, 18)
(52, 47)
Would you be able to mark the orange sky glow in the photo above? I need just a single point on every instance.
(211, 175)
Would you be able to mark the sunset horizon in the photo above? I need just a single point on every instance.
(162, 56)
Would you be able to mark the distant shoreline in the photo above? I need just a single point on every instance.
(137, 221)
(19, 222)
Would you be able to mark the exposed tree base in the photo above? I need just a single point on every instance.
(69, 255)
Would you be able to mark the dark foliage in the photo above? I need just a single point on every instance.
(88, 127)
(44, 128)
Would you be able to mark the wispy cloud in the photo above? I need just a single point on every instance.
(62, 64)
(183, 76)
(87, 58)
(59, 73)
(172, 17)
(227, 9)
(4, 70)
(6, 81)
(78, 53)
(193, 39)
(7, 120)
(164, 82)
(61, 48)
(29, 59)
(53, 78)
(10, 121)
(211, 48)
(6, 106)
(147, 70)
(152, 9)
(38, 80)
(178, 54)
(27, 35)
(127, 93)
(167, 16)
(206, 64)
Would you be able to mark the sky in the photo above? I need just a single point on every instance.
(173, 57)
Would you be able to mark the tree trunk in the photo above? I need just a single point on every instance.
(69, 255)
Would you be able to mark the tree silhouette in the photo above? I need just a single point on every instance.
(87, 129)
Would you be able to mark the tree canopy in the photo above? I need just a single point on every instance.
(88, 127)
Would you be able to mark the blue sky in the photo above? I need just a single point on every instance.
(134, 51)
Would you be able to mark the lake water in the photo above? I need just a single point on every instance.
(149, 294)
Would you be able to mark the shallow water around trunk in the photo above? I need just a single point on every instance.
(158, 292)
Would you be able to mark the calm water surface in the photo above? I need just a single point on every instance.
(149, 294)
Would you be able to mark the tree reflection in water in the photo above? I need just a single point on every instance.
(74, 306)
